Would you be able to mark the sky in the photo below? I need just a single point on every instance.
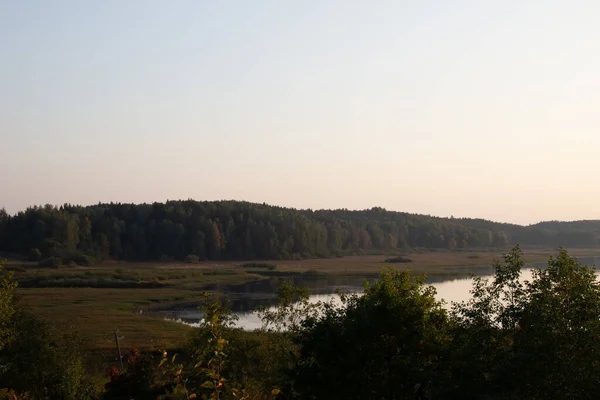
(487, 109)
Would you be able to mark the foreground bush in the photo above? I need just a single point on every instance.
(7, 311)
(536, 339)
(384, 344)
(36, 362)
(137, 381)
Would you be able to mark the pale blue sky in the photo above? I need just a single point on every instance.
(467, 108)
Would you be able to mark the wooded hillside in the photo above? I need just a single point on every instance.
(241, 230)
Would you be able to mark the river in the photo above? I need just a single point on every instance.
(248, 297)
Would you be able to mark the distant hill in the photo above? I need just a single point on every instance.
(551, 233)
(584, 225)
(179, 230)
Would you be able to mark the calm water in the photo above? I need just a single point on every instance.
(248, 297)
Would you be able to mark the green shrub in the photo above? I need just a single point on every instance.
(47, 364)
(396, 329)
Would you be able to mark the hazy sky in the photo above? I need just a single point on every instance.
(467, 108)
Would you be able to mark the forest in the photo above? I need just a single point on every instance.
(514, 339)
(193, 230)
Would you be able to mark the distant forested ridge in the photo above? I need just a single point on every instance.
(177, 230)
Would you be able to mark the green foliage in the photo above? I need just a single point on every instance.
(536, 339)
(34, 361)
(178, 230)
(259, 362)
(173, 375)
(7, 307)
(48, 365)
(384, 344)
(559, 330)
(209, 349)
(226, 363)
(293, 307)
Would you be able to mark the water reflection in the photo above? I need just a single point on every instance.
(248, 297)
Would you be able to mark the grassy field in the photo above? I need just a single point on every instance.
(97, 312)
(110, 296)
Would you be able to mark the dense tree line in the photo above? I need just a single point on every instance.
(514, 339)
(242, 230)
